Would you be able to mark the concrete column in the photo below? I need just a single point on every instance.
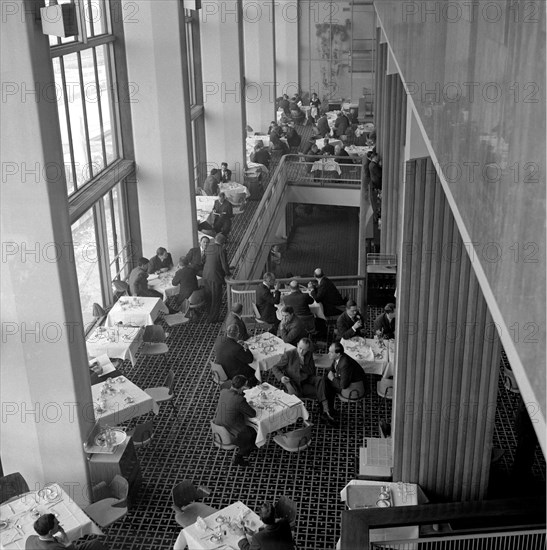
(223, 95)
(287, 48)
(45, 388)
(258, 29)
(156, 55)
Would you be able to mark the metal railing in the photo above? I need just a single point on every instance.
(321, 171)
(244, 292)
(513, 540)
(381, 259)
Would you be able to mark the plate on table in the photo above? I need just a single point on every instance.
(49, 493)
(3, 525)
(153, 277)
(118, 437)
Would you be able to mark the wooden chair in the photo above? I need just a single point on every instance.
(184, 496)
(110, 501)
(12, 486)
(295, 440)
(258, 319)
(121, 288)
(218, 373)
(222, 438)
(353, 393)
(153, 342)
(164, 393)
(142, 433)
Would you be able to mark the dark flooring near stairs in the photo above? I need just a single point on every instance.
(182, 445)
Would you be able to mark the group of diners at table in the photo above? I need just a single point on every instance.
(287, 349)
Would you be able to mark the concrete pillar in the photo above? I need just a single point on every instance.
(258, 29)
(45, 388)
(162, 131)
(223, 95)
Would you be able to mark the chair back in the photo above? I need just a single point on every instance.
(299, 439)
(246, 299)
(119, 488)
(120, 286)
(142, 434)
(11, 486)
(184, 493)
(218, 373)
(222, 438)
(153, 334)
(170, 381)
(286, 508)
(354, 392)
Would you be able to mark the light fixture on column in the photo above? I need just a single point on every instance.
(59, 20)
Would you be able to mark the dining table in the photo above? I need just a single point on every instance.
(267, 350)
(236, 194)
(316, 308)
(217, 530)
(373, 356)
(21, 513)
(320, 142)
(275, 409)
(117, 400)
(120, 342)
(325, 165)
(135, 311)
(204, 208)
(358, 150)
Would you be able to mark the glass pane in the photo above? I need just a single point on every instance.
(77, 127)
(113, 237)
(61, 97)
(190, 56)
(92, 110)
(87, 264)
(96, 17)
(107, 103)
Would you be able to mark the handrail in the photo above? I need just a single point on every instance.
(300, 171)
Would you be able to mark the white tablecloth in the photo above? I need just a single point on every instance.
(204, 208)
(402, 494)
(320, 142)
(18, 513)
(235, 192)
(358, 150)
(316, 308)
(117, 409)
(267, 350)
(117, 343)
(137, 312)
(274, 408)
(326, 165)
(199, 539)
(163, 283)
(373, 358)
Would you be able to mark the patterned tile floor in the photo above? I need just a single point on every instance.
(182, 445)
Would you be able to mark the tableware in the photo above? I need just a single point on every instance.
(215, 538)
(120, 379)
(383, 503)
(3, 525)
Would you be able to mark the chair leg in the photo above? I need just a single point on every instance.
(173, 405)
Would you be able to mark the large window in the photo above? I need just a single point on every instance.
(84, 69)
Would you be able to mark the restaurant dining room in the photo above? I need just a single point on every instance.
(273, 274)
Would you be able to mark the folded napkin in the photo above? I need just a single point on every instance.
(288, 399)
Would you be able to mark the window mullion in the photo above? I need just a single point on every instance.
(114, 100)
(114, 229)
(90, 9)
(99, 105)
(84, 110)
(101, 237)
(68, 124)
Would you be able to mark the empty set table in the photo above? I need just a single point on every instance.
(135, 311)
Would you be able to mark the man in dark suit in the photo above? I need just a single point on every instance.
(275, 535)
(300, 302)
(234, 355)
(210, 185)
(343, 372)
(261, 155)
(323, 126)
(328, 149)
(341, 125)
(290, 329)
(185, 277)
(232, 411)
(266, 300)
(138, 281)
(326, 293)
(196, 256)
(384, 325)
(225, 174)
(223, 214)
(350, 323)
(234, 318)
(162, 261)
(340, 151)
(215, 269)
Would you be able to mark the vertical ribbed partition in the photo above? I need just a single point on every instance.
(393, 130)
(448, 351)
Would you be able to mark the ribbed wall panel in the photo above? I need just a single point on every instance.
(448, 351)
